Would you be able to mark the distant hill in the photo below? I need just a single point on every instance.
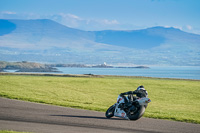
(26, 67)
(146, 38)
(39, 34)
(44, 40)
(138, 39)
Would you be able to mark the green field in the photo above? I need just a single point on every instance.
(6, 131)
(171, 99)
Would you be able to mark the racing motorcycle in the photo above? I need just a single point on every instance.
(133, 110)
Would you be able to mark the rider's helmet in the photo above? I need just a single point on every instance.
(143, 89)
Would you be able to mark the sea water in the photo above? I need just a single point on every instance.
(183, 72)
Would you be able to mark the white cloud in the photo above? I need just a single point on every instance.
(68, 15)
(110, 22)
(186, 28)
(178, 27)
(8, 12)
(189, 27)
(73, 16)
(67, 19)
(75, 21)
(15, 15)
(167, 26)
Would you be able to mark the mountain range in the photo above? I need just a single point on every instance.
(44, 40)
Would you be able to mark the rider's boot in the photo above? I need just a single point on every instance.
(121, 106)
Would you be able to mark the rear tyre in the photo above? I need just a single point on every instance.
(136, 115)
(110, 112)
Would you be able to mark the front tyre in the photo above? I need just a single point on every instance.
(136, 115)
(110, 112)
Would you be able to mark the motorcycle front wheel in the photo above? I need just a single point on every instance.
(110, 112)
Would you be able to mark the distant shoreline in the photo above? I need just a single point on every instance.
(87, 75)
(25, 66)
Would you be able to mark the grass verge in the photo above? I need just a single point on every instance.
(6, 131)
(171, 99)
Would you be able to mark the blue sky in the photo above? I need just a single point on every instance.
(108, 14)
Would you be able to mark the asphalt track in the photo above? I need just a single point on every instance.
(32, 117)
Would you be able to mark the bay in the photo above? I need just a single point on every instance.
(180, 72)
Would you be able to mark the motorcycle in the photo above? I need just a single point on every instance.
(134, 110)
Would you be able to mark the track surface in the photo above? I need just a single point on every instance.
(32, 117)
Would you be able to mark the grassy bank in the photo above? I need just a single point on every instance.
(6, 131)
(171, 99)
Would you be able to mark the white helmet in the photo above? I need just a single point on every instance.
(141, 88)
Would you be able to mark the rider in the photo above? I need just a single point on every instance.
(140, 92)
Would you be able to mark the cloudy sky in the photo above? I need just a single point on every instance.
(108, 14)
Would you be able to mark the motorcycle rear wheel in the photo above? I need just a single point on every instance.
(110, 112)
(137, 115)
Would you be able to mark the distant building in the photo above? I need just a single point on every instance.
(104, 65)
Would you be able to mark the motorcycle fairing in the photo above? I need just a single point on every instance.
(119, 112)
